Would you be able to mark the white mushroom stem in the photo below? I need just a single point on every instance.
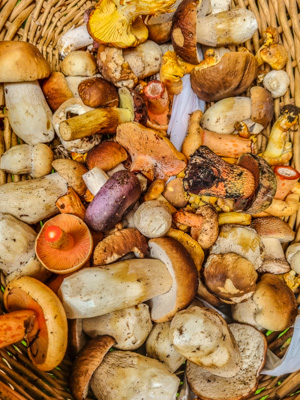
(95, 179)
(28, 112)
(277, 83)
(219, 6)
(273, 251)
(74, 39)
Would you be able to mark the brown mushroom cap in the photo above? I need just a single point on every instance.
(56, 90)
(231, 76)
(262, 105)
(273, 227)
(230, 277)
(183, 35)
(106, 156)
(72, 171)
(64, 261)
(97, 92)
(85, 364)
(22, 62)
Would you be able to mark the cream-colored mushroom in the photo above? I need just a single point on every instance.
(153, 219)
(79, 63)
(74, 39)
(277, 83)
(95, 179)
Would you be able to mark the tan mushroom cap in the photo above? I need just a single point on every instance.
(21, 62)
(273, 227)
(85, 364)
(230, 276)
(262, 105)
(277, 307)
(72, 171)
(70, 259)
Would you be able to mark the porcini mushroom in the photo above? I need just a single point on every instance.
(79, 63)
(273, 231)
(56, 90)
(29, 115)
(106, 156)
(273, 305)
(97, 92)
(48, 347)
(189, 27)
(252, 347)
(64, 244)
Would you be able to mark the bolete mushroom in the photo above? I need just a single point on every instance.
(56, 90)
(273, 305)
(64, 244)
(79, 63)
(97, 92)
(72, 172)
(21, 65)
(273, 231)
(252, 347)
(184, 276)
(106, 156)
(47, 349)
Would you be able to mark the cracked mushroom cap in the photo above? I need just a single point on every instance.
(252, 346)
(230, 277)
(22, 62)
(274, 307)
(64, 244)
(184, 276)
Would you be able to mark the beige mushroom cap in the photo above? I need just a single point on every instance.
(273, 227)
(230, 277)
(22, 62)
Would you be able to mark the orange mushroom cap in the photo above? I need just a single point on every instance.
(71, 247)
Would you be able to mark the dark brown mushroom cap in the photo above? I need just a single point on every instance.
(262, 105)
(85, 364)
(183, 35)
(231, 76)
(230, 276)
(273, 227)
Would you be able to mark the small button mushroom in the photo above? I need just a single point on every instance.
(46, 349)
(79, 63)
(277, 83)
(129, 327)
(25, 159)
(153, 219)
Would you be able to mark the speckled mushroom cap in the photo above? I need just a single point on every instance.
(273, 227)
(22, 62)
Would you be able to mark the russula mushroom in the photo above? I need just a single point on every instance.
(56, 90)
(85, 364)
(230, 277)
(17, 256)
(252, 347)
(216, 77)
(265, 185)
(48, 347)
(106, 156)
(277, 83)
(122, 25)
(208, 174)
(293, 257)
(64, 244)
(25, 159)
(118, 244)
(16, 326)
(114, 198)
(153, 219)
(100, 290)
(97, 92)
(74, 39)
(151, 152)
(184, 276)
(29, 115)
(79, 63)
(158, 105)
(159, 346)
(223, 28)
(72, 172)
(131, 375)
(70, 107)
(273, 231)
(273, 305)
(202, 336)
(286, 177)
(276, 142)
(241, 240)
(17, 198)
(129, 327)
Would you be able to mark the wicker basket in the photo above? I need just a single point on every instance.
(42, 23)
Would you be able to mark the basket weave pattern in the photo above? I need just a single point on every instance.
(43, 23)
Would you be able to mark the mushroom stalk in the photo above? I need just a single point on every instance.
(279, 130)
(286, 177)
(16, 326)
(157, 97)
(95, 179)
(74, 39)
(58, 239)
(273, 255)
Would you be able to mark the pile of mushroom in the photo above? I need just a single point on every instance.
(124, 225)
